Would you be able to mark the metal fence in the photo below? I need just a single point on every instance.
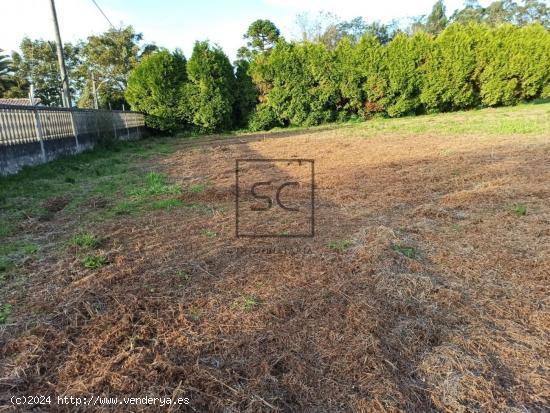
(27, 124)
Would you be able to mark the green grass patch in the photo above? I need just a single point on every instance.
(5, 312)
(6, 228)
(456, 227)
(155, 184)
(94, 262)
(527, 119)
(12, 252)
(5, 264)
(167, 204)
(209, 233)
(109, 172)
(194, 313)
(85, 240)
(247, 302)
(339, 245)
(184, 276)
(198, 188)
(519, 209)
(408, 252)
(128, 207)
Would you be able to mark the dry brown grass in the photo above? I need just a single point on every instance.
(462, 327)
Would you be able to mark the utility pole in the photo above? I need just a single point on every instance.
(61, 59)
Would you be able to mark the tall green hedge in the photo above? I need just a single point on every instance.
(514, 65)
(298, 83)
(305, 83)
(154, 87)
(210, 93)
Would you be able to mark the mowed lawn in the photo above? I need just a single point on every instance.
(425, 287)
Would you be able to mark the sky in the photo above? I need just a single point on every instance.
(179, 23)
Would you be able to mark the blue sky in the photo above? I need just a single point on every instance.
(173, 23)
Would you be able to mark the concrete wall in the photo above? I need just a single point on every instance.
(30, 135)
(16, 156)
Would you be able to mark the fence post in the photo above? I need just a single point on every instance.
(139, 127)
(75, 131)
(126, 125)
(39, 134)
(96, 118)
(114, 124)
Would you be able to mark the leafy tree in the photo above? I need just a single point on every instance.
(262, 35)
(499, 12)
(506, 11)
(109, 58)
(533, 11)
(154, 87)
(437, 20)
(323, 28)
(471, 13)
(246, 93)
(357, 27)
(354, 28)
(208, 97)
(37, 63)
(6, 75)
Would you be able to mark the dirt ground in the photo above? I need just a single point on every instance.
(425, 287)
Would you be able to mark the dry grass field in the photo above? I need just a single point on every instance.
(425, 287)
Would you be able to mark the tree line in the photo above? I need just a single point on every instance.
(105, 60)
(334, 70)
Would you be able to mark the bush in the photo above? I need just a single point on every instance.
(514, 64)
(263, 118)
(154, 88)
(208, 98)
(298, 83)
(361, 83)
(246, 94)
(403, 59)
(449, 81)
(306, 83)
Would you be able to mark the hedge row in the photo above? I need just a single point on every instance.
(307, 83)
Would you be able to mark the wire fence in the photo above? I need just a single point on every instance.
(27, 124)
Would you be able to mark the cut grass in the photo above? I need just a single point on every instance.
(184, 276)
(5, 264)
(108, 172)
(373, 311)
(528, 119)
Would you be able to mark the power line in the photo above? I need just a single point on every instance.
(104, 15)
